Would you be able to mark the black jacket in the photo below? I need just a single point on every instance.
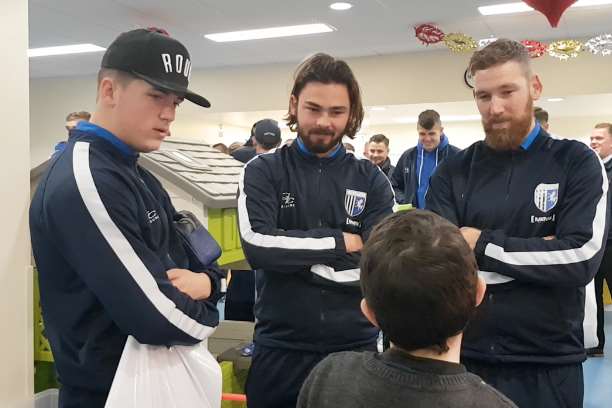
(103, 239)
(608, 167)
(534, 307)
(244, 154)
(293, 208)
(404, 176)
(387, 168)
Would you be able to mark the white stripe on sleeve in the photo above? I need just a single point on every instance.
(329, 273)
(124, 251)
(274, 241)
(564, 256)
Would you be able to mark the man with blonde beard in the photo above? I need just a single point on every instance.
(533, 209)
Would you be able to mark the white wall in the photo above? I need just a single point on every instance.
(16, 373)
(427, 77)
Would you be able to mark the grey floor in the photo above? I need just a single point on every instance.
(598, 374)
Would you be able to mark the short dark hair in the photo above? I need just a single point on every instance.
(419, 277)
(326, 69)
(380, 138)
(540, 114)
(605, 125)
(428, 119)
(82, 115)
(124, 78)
(500, 52)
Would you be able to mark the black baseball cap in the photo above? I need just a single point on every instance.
(267, 133)
(155, 57)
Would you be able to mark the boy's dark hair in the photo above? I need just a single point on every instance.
(380, 138)
(326, 69)
(419, 277)
(428, 119)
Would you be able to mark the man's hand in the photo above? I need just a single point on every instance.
(352, 242)
(550, 238)
(471, 235)
(195, 285)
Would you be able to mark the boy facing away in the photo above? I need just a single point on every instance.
(420, 285)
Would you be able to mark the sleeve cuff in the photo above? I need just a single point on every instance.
(340, 246)
(481, 244)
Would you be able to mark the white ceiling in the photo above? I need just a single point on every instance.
(572, 106)
(371, 27)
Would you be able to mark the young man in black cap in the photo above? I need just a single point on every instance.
(267, 136)
(304, 212)
(102, 226)
(247, 151)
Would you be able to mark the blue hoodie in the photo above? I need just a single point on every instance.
(426, 163)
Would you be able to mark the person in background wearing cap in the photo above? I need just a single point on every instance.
(267, 136)
(101, 226)
(240, 295)
(247, 151)
(304, 212)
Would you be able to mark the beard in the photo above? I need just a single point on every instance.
(510, 137)
(317, 141)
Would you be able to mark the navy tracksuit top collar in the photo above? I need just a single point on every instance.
(93, 129)
(335, 153)
(531, 136)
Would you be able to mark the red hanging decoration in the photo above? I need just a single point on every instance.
(428, 34)
(535, 48)
(552, 9)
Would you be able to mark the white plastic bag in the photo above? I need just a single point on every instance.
(161, 377)
(589, 325)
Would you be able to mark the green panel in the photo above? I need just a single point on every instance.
(402, 207)
(44, 376)
(42, 349)
(233, 383)
(223, 226)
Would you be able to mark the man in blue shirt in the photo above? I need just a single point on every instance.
(410, 179)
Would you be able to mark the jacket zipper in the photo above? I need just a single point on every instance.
(510, 173)
(319, 192)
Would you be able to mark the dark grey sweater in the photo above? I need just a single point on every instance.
(395, 379)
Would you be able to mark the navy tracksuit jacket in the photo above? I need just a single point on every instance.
(293, 208)
(534, 308)
(103, 240)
